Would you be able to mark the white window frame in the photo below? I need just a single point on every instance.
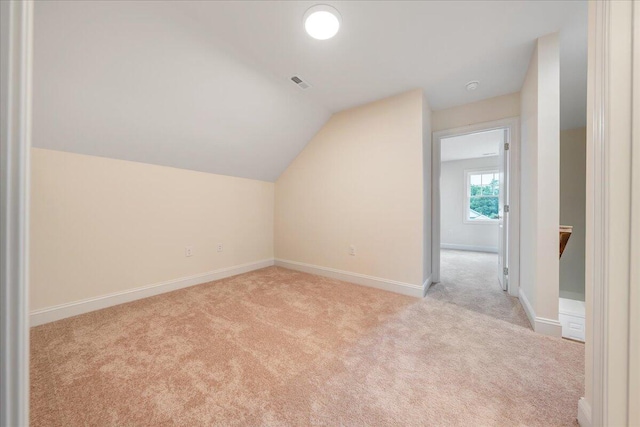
(466, 202)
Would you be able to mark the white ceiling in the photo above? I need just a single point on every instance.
(471, 146)
(386, 47)
(205, 85)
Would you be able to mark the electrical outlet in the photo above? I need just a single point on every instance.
(188, 251)
(352, 250)
(220, 247)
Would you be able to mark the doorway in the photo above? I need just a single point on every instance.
(476, 199)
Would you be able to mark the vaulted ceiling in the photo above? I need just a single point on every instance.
(206, 85)
(141, 81)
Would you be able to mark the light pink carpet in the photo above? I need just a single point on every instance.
(280, 348)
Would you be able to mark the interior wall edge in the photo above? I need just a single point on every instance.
(584, 413)
(540, 325)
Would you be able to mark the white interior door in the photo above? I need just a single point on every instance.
(503, 212)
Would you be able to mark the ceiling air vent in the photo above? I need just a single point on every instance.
(301, 83)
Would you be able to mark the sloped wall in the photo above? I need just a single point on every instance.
(144, 81)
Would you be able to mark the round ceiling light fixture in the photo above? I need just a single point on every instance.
(472, 85)
(322, 22)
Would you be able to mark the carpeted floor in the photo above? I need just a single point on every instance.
(276, 347)
(469, 280)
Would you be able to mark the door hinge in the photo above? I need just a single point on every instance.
(505, 271)
(506, 208)
(506, 146)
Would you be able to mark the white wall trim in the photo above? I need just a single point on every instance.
(612, 373)
(541, 325)
(426, 285)
(403, 288)
(62, 311)
(457, 247)
(528, 309)
(610, 78)
(584, 413)
(550, 327)
(16, 51)
(634, 268)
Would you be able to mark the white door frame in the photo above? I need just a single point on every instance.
(513, 157)
(16, 38)
(612, 368)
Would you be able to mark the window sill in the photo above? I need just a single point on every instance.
(481, 222)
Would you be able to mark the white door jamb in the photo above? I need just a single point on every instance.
(16, 41)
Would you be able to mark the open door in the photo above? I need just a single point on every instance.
(503, 212)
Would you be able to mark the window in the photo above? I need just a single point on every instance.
(482, 196)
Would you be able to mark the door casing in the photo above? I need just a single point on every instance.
(513, 159)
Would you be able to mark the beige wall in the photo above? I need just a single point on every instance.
(572, 210)
(426, 189)
(528, 178)
(540, 177)
(500, 107)
(101, 226)
(359, 182)
(548, 286)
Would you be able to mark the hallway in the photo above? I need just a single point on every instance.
(468, 279)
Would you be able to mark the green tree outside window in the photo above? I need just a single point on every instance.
(483, 193)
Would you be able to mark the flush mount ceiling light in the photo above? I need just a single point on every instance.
(322, 22)
(473, 85)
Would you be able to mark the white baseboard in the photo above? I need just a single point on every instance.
(527, 308)
(357, 278)
(426, 285)
(584, 413)
(539, 324)
(548, 327)
(468, 248)
(51, 314)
